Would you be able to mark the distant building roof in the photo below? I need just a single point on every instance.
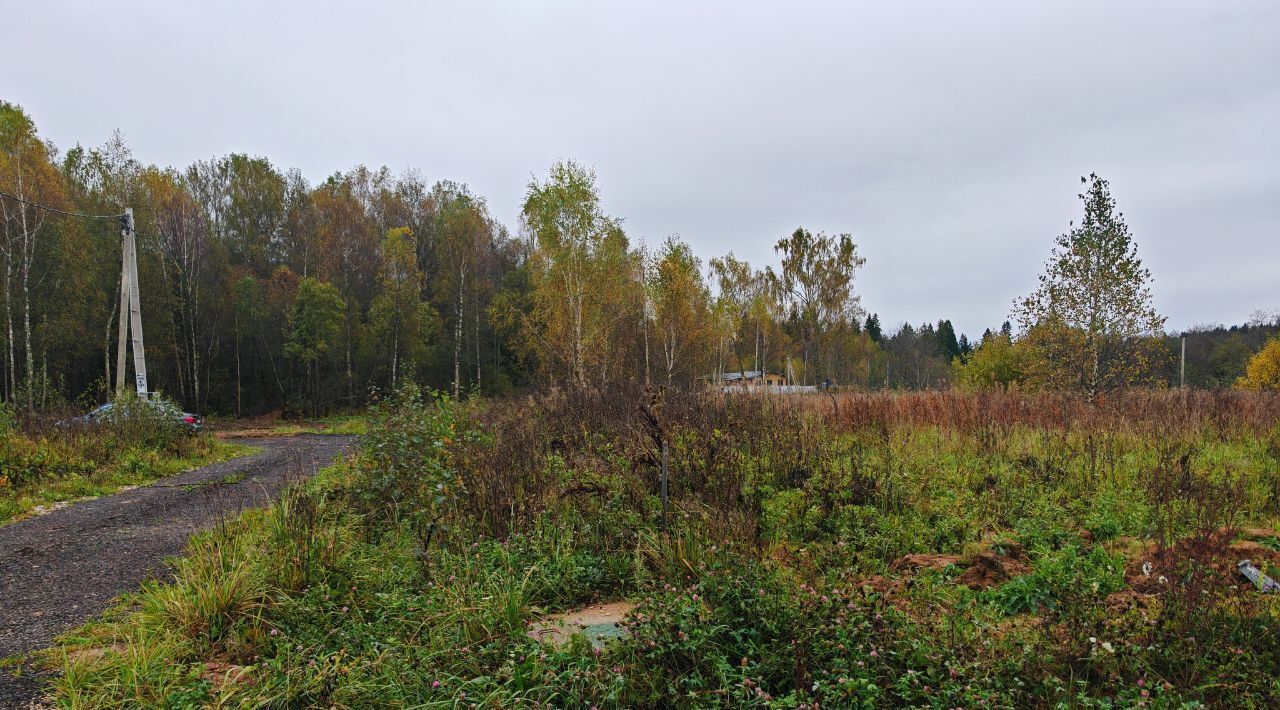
(746, 375)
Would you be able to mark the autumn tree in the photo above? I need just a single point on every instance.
(737, 288)
(509, 314)
(1091, 322)
(1263, 371)
(27, 173)
(860, 359)
(575, 248)
(315, 325)
(101, 180)
(817, 280)
(998, 363)
(348, 256)
(274, 327)
(681, 308)
(185, 246)
(768, 309)
(296, 247)
(914, 359)
(244, 201)
(400, 322)
(463, 240)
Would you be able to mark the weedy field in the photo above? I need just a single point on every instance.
(929, 549)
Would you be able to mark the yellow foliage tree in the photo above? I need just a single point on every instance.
(1263, 372)
(578, 253)
(999, 362)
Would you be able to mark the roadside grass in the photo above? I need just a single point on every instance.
(338, 424)
(805, 562)
(346, 424)
(265, 611)
(81, 479)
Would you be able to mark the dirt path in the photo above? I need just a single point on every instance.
(59, 569)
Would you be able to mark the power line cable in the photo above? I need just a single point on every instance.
(58, 211)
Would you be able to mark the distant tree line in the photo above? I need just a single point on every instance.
(262, 291)
(1217, 356)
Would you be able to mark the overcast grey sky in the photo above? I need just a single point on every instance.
(947, 137)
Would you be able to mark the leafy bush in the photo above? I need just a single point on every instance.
(405, 470)
(1063, 575)
(744, 635)
(24, 462)
(133, 443)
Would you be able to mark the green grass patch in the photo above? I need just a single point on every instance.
(130, 468)
(346, 424)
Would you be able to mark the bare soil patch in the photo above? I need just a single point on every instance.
(598, 622)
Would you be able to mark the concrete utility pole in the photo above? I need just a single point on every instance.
(1182, 364)
(130, 310)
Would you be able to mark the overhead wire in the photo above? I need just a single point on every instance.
(58, 211)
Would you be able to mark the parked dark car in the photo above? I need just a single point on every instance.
(107, 412)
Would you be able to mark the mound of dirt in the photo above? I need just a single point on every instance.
(1218, 553)
(1129, 600)
(910, 563)
(1000, 562)
(988, 569)
(1250, 550)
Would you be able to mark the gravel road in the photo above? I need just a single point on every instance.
(59, 569)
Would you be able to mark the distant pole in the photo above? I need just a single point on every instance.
(1182, 365)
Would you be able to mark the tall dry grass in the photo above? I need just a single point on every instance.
(616, 436)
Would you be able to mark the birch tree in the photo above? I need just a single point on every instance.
(27, 173)
(817, 280)
(400, 321)
(315, 324)
(735, 283)
(571, 241)
(1091, 322)
(463, 236)
(681, 308)
(185, 244)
